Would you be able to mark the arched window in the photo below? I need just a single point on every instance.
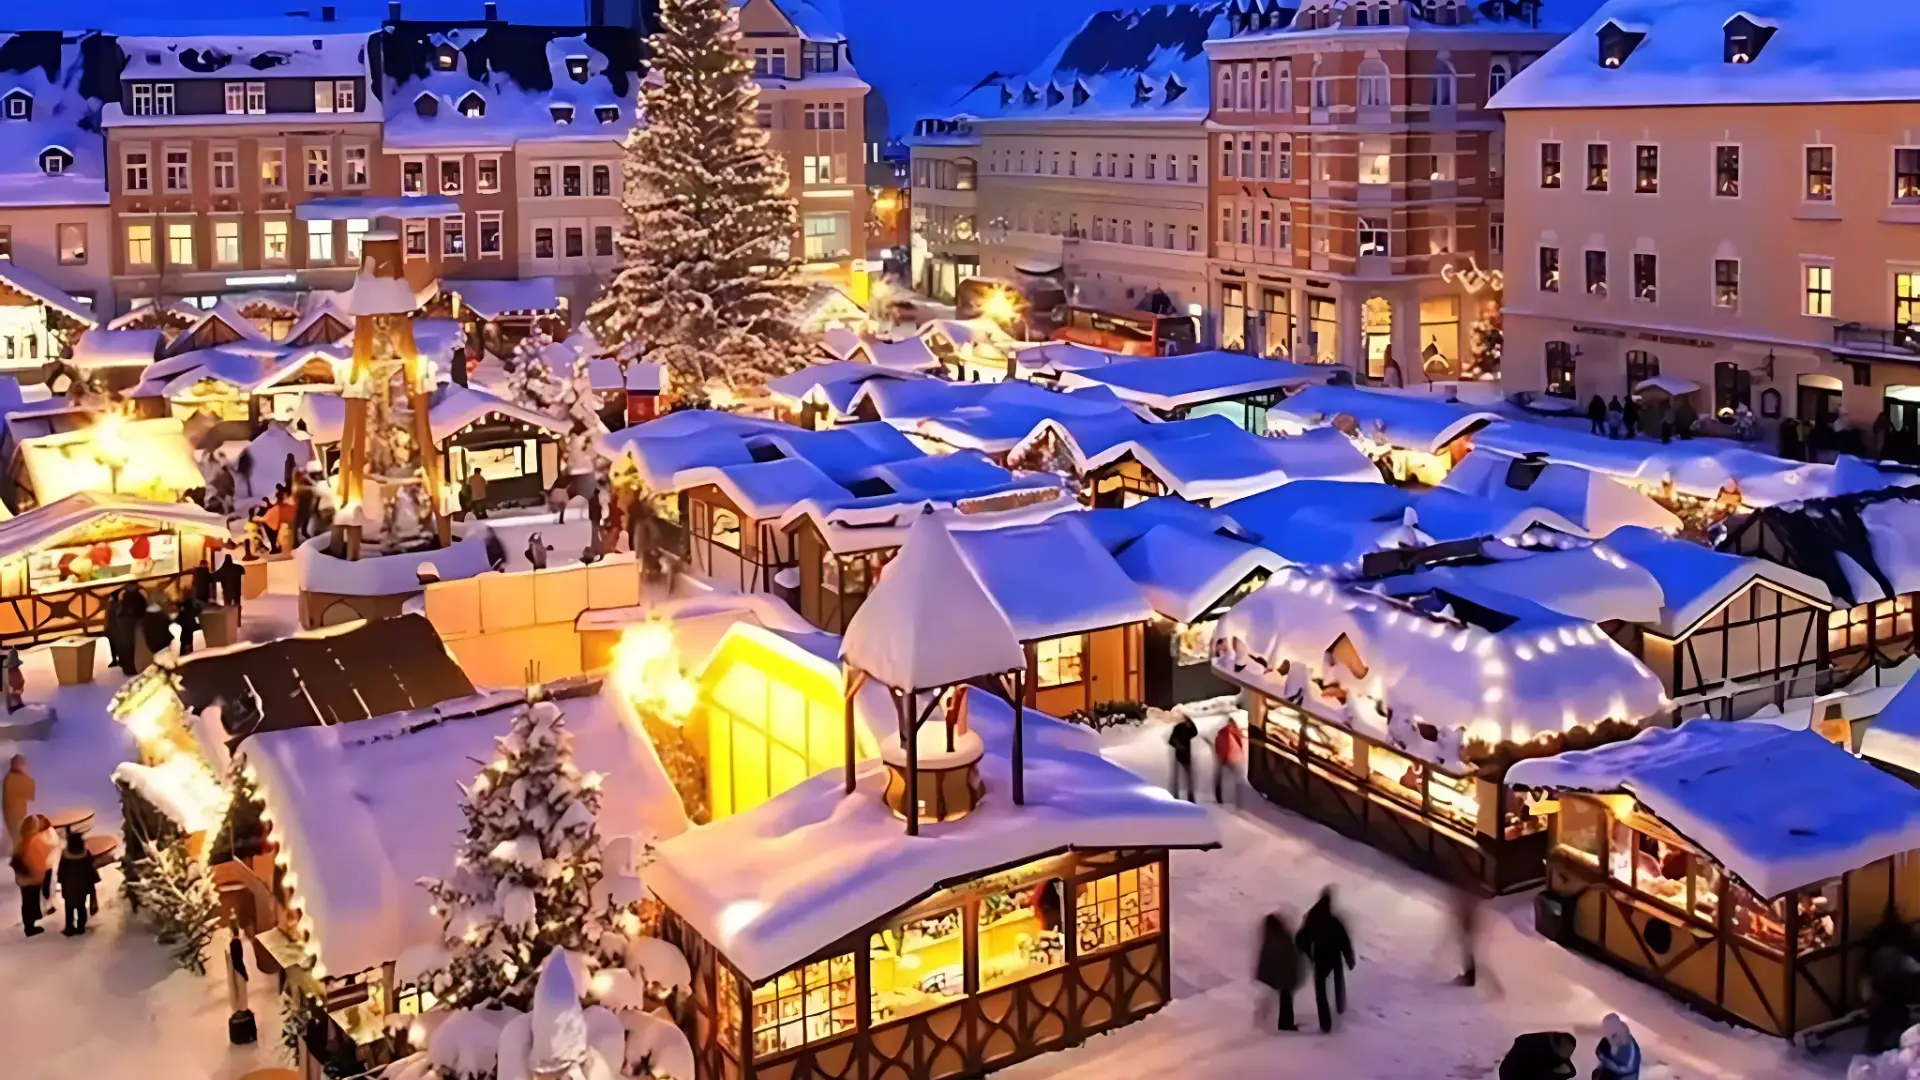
(473, 105)
(1497, 76)
(1225, 97)
(1446, 85)
(1361, 18)
(1376, 85)
(1264, 100)
(1382, 15)
(965, 171)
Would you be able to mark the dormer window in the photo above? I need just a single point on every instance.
(1055, 95)
(426, 105)
(1617, 43)
(55, 160)
(1006, 96)
(447, 58)
(1081, 95)
(18, 106)
(1142, 91)
(1031, 95)
(608, 114)
(1745, 39)
(1174, 89)
(577, 68)
(562, 114)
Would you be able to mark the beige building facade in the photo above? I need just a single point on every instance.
(944, 172)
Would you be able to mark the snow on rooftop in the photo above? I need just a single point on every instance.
(1168, 383)
(1694, 581)
(1591, 504)
(1475, 663)
(1589, 583)
(19, 278)
(1207, 457)
(831, 384)
(907, 354)
(508, 83)
(1143, 65)
(929, 621)
(304, 54)
(1780, 809)
(1818, 53)
(152, 456)
(1398, 420)
(387, 575)
(456, 408)
(1055, 358)
(1052, 578)
(790, 877)
(1185, 573)
(47, 523)
(990, 417)
(367, 809)
(49, 67)
(116, 348)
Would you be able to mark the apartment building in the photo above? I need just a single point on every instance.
(1355, 178)
(812, 105)
(1089, 167)
(1760, 237)
(944, 173)
(523, 128)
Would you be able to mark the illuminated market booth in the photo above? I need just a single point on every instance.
(59, 563)
(1745, 868)
(1191, 577)
(1418, 440)
(1391, 712)
(85, 451)
(1020, 908)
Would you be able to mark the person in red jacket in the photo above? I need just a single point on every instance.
(1229, 750)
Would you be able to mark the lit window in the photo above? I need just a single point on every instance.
(811, 1003)
(1819, 174)
(489, 222)
(319, 242)
(1906, 174)
(473, 105)
(273, 168)
(319, 168)
(415, 239)
(1059, 661)
(1726, 283)
(451, 179)
(1598, 174)
(413, 176)
(1818, 291)
(543, 243)
(1646, 276)
(487, 175)
(273, 240)
(72, 238)
(1116, 909)
(1550, 165)
(139, 245)
(226, 243)
(1726, 171)
(1646, 170)
(356, 237)
(602, 181)
(453, 237)
(354, 166)
(1375, 238)
(180, 243)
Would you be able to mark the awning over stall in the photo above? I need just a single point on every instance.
(45, 526)
(495, 299)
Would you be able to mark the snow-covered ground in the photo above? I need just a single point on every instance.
(111, 1007)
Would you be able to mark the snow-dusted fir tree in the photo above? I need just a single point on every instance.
(707, 274)
(526, 877)
(533, 382)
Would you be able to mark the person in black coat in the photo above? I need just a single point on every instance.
(1630, 415)
(1279, 966)
(1323, 939)
(156, 629)
(1539, 1055)
(1597, 414)
(187, 618)
(203, 584)
(129, 606)
(77, 877)
(230, 577)
(1181, 739)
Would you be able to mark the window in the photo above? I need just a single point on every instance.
(1646, 276)
(1819, 174)
(156, 99)
(1193, 169)
(1560, 375)
(1283, 164)
(489, 224)
(1225, 96)
(1646, 170)
(226, 170)
(1596, 273)
(1726, 171)
(139, 245)
(1193, 238)
(134, 171)
(256, 99)
(763, 116)
(1129, 172)
(180, 243)
(486, 175)
(72, 239)
(1243, 83)
(1549, 269)
(1497, 236)
(226, 243)
(1059, 661)
(273, 240)
(356, 237)
(1732, 388)
(543, 243)
(822, 169)
(1550, 165)
(810, 1003)
(1726, 283)
(319, 243)
(1322, 93)
(602, 180)
(819, 56)
(345, 96)
(1116, 909)
(1246, 158)
(413, 176)
(452, 178)
(319, 167)
(576, 242)
(354, 166)
(1375, 85)
(770, 61)
(1376, 159)
(1597, 166)
(1263, 95)
(54, 161)
(542, 181)
(602, 241)
(1073, 163)
(472, 105)
(1374, 238)
(1641, 366)
(453, 237)
(1906, 174)
(1446, 85)
(834, 117)
(236, 98)
(1497, 76)
(1906, 299)
(414, 239)
(1226, 158)
(142, 99)
(826, 236)
(447, 57)
(1818, 291)
(570, 181)
(179, 174)
(1173, 166)
(273, 168)
(577, 68)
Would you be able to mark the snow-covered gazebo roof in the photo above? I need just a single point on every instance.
(494, 299)
(100, 348)
(1779, 808)
(1589, 503)
(929, 622)
(1207, 457)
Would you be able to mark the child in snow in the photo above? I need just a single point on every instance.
(1618, 1055)
(77, 876)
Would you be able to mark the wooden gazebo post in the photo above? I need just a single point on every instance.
(927, 628)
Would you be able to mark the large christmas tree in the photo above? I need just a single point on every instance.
(526, 878)
(707, 273)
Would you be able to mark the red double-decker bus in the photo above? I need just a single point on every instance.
(1136, 333)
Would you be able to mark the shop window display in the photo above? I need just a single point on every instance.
(727, 990)
(1455, 800)
(1020, 932)
(807, 1004)
(1117, 908)
(1517, 818)
(1193, 643)
(1283, 726)
(1765, 924)
(103, 560)
(1583, 825)
(1330, 744)
(1401, 777)
(917, 965)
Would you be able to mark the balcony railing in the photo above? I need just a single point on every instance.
(1902, 340)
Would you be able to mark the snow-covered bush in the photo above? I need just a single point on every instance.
(175, 892)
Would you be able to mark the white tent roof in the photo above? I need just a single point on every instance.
(45, 524)
(929, 622)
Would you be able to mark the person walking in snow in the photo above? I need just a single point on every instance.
(16, 678)
(1597, 415)
(474, 494)
(1616, 419)
(1323, 939)
(1467, 923)
(1618, 1055)
(1539, 1055)
(16, 796)
(1630, 415)
(187, 618)
(32, 866)
(1181, 739)
(1279, 967)
(1229, 749)
(77, 876)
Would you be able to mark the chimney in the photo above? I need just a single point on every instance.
(491, 10)
(393, 10)
(326, 13)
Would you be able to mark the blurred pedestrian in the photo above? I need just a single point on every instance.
(1229, 750)
(1279, 967)
(1181, 740)
(1323, 939)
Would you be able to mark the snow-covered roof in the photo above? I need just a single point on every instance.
(509, 83)
(776, 884)
(225, 314)
(373, 294)
(1116, 527)
(1695, 581)
(25, 281)
(815, 20)
(1052, 578)
(1142, 65)
(907, 354)
(928, 621)
(154, 456)
(46, 524)
(1591, 504)
(1055, 358)
(880, 522)
(389, 575)
(1816, 53)
(1475, 663)
(1168, 383)
(1185, 573)
(1780, 809)
(116, 348)
(1864, 546)
(1403, 421)
(830, 384)
(187, 57)
(365, 810)
(1589, 582)
(50, 67)
(975, 333)
(1208, 457)
(492, 299)
(990, 417)
(247, 368)
(456, 408)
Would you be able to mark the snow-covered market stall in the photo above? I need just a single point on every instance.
(1021, 907)
(1394, 716)
(1745, 868)
(84, 451)
(59, 563)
